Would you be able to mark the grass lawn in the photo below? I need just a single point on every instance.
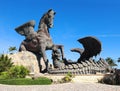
(26, 81)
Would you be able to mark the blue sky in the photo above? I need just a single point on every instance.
(74, 19)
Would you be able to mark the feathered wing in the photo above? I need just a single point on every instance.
(92, 47)
(26, 29)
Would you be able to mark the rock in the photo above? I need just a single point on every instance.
(27, 59)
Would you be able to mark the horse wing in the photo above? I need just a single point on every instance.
(92, 47)
(26, 29)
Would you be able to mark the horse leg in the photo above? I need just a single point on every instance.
(38, 55)
(44, 58)
(22, 47)
(61, 49)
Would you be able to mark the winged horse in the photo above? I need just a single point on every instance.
(39, 41)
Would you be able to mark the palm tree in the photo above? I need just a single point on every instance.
(11, 49)
(111, 62)
(5, 63)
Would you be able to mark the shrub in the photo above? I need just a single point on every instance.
(70, 74)
(18, 72)
(4, 75)
(5, 63)
(67, 78)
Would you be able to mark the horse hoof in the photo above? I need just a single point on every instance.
(44, 71)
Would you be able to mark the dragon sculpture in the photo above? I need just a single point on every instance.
(85, 64)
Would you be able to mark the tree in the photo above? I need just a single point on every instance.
(11, 49)
(118, 59)
(110, 61)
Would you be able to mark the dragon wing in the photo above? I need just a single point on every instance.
(78, 50)
(26, 29)
(92, 47)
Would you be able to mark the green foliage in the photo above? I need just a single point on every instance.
(67, 78)
(7, 70)
(26, 81)
(5, 63)
(4, 75)
(18, 72)
(110, 61)
(12, 49)
(70, 74)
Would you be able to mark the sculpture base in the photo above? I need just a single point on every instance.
(79, 78)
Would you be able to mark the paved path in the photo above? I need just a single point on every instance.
(62, 87)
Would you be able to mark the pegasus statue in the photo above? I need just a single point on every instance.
(39, 41)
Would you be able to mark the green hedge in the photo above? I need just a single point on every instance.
(26, 81)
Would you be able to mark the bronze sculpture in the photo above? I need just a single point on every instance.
(38, 42)
(92, 47)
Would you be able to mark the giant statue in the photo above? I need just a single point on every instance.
(39, 41)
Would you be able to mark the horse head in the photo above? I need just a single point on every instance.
(47, 19)
(50, 17)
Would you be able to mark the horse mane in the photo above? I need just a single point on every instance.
(42, 20)
(43, 24)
